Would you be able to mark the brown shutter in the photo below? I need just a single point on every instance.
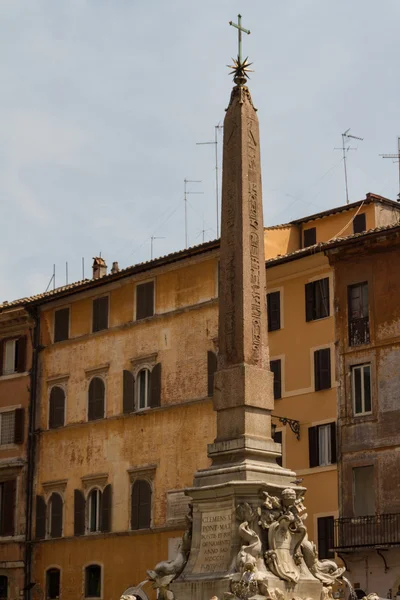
(309, 301)
(40, 518)
(19, 426)
(96, 399)
(106, 507)
(79, 513)
(325, 368)
(155, 386)
(324, 297)
(8, 508)
(144, 300)
(278, 440)
(274, 311)
(211, 368)
(57, 407)
(313, 449)
(128, 396)
(333, 443)
(135, 506)
(144, 504)
(275, 366)
(61, 324)
(20, 352)
(317, 371)
(1, 356)
(56, 516)
(100, 313)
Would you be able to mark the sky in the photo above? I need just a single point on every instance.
(103, 104)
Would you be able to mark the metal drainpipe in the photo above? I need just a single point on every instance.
(31, 455)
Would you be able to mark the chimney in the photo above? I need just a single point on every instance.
(115, 267)
(99, 267)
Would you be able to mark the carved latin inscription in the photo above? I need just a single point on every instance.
(215, 542)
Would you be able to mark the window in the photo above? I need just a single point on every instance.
(275, 366)
(3, 587)
(55, 516)
(61, 324)
(94, 510)
(143, 383)
(358, 314)
(128, 392)
(274, 310)
(93, 581)
(56, 407)
(100, 314)
(141, 505)
(322, 369)
(7, 507)
(148, 387)
(211, 369)
(52, 584)
(277, 436)
(322, 445)
(359, 223)
(96, 399)
(12, 356)
(361, 389)
(310, 237)
(12, 427)
(317, 299)
(325, 537)
(144, 300)
(363, 491)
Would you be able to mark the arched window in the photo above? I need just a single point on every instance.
(143, 388)
(55, 516)
(94, 507)
(141, 505)
(3, 587)
(52, 584)
(93, 581)
(56, 407)
(96, 399)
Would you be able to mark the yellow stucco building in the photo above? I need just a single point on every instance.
(123, 406)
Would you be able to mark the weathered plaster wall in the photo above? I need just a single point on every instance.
(281, 240)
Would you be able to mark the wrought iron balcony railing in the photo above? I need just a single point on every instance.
(369, 531)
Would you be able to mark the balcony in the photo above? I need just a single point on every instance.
(372, 531)
(359, 331)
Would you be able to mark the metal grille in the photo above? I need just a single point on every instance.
(374, 530)
(7, 427)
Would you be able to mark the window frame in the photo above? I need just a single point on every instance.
(351, 321)
(103, 379)
(99, 494)
(85, 587)
(49, 506)
(137, 480)
(317, 374)
(314, 450)
(361, 367)
(108, 313)
(279, 319)
(147, 388)
(139, 283)
(313, 285)
(68, 306)
(314, 229)
(2, 413)
(51, 387)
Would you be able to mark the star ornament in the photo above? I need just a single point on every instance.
(240, 69)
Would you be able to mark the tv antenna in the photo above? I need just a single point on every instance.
(186, 181)
(53, 279)
(203, 231)
(346, 136)
(396, 159)
(215, 143)
(155, 237)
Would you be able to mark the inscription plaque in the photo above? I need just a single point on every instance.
(177, 507)
(215, 542)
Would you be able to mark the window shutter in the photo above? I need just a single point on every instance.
(79, 513)
(57, 407)
(128, 393)
(211, 368)
(359, 223)
(309, 301)
(313, 446)
(278, 440)
(96, 399)
(19, 426)
(325, 368)
(144, 505)
(40, 518)
(324, 283)
(20, 351)
(61, 324)
(8, 508)
(144, 300)
(155, 386)
(106, 506)
(135, 506)
(274, 311)
(56, 516)
(100, 314)
(317, 372)
(275, 366)
(310, 236)
(1, 356)
(333, 443)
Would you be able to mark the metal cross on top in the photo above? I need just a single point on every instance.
(240, 29)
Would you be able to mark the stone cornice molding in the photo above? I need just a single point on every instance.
(142, 472)
(10, 468)
(57, 485)
(94, 480)
(99, 370)
(57, 379)
(148, 359)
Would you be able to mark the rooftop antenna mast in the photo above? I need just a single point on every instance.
(155, 237)
(215, 143)
(203, 231)
(186, 181)
(346, 136)
(396, 159)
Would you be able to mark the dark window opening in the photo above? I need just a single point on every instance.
(278, 440)
(128, 392)
(309, 237)
(360, 223)
(53, 584)
(94, 510)
(96, 399)
(141, 505)
(93, 581)
(55, 516)
(317, 299)
(322, 369)
(275, 366)
(274, 311)
(322, 445)
(211, 369)
(3, 587)
(358, 314)
(100, 314)
(325, 537)
(7, 507)
(144, 300)
(61, 324)
(57, 407)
